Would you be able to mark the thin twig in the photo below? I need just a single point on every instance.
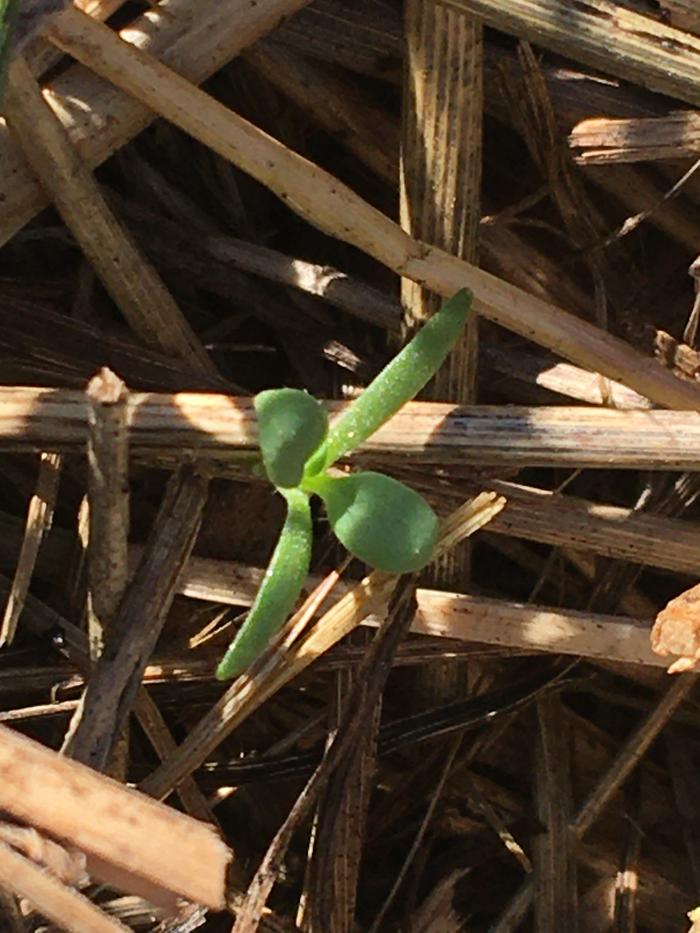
(39, 518)
(108, 493)
(112, 688)
(553, 852)
(631, 753)
(107, 539)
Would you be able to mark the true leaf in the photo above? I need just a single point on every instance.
(396, 384)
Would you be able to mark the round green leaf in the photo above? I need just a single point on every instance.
(291, 425)
(379, 520)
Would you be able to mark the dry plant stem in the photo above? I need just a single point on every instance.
(566, 521)
(520, 262)
(195, 37)
(440, 172)
(223, 428)
(117, 828)
(335, 287)
(335, 209)
(361, 37)
(440, 204)
(530, 628)
(329, 897)
(67, 866)
(553, 851)
(535, 628)
(39, 517)
(632, 602)
(420, 835)
(647, 52)
(631, 753)
(583, 224)
(159, 735)
(108, 493)
(108, 515)
(247, 694)
(42, 709)
(372, 674)
(549, 373)
(66, 907)
(597, 906)
(41, 55)
(531, 513)
(132, 282)
(351, 115)
(332, 874)
(660, 901)
(602, 140)
(437, 910)
(370, 42)
(110, 693)
(631, 223)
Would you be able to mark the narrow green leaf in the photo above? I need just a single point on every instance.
(279, 590)
(291, 425)
(378, 519)
(398, 383)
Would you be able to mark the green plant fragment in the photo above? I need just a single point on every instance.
(378, 519)
(291, 426)
(279, 590)
(402, 379)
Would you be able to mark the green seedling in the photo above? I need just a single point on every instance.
(378, 519)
